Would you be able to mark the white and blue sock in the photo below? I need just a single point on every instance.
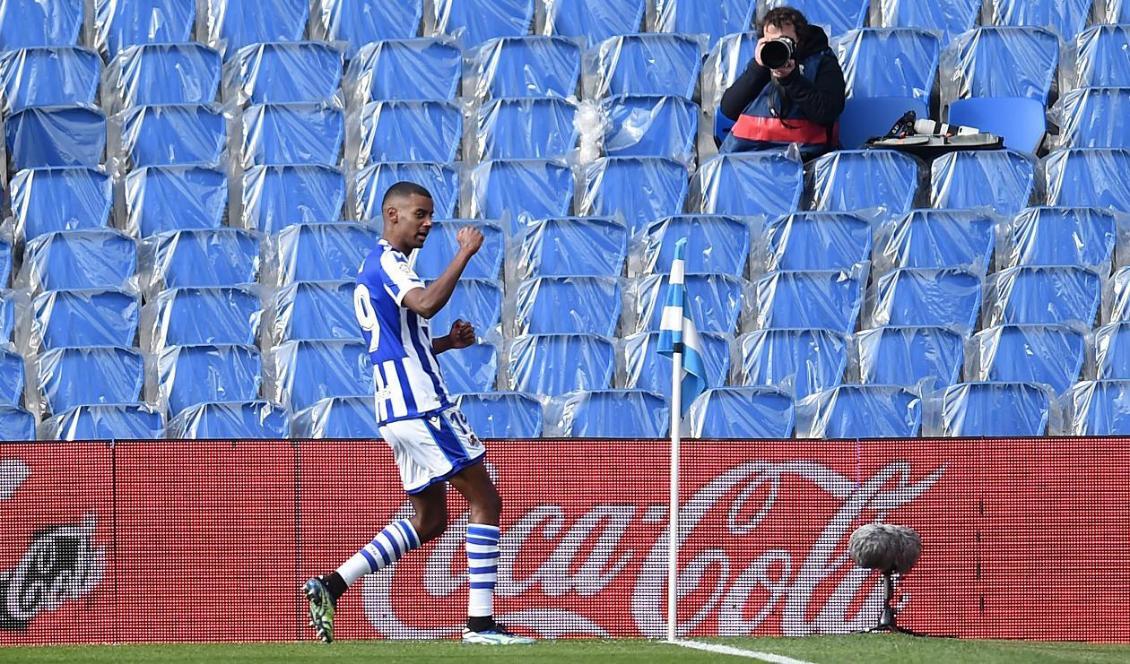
(397, 539)
(482, 570)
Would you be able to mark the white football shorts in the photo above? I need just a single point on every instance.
(431, 449)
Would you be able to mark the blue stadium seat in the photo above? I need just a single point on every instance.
(131, 421)
(437, 253)
(638, 189)
(315, 310)
(45, 200)
(191, 375)
(1020, 121)
(372, 182)
(1003, 180)
(1044, 295)
(172, 198)
(573, 246)
(648, 370)
(337, 417)
(818, 241)
(287, 73)
(836, 17)
(1119, 12)
(471, 369)
(204, 258)
(1002, 62)
(68, 260)
(16, 424)
(6, 262)
(852, 180)
(248, 420)
(27, 23)
(1103, 56)
(410, 131)
(767, 183)
(568, 305)
(1089, 177)
(928, 297)
(713, 19)
(308, 371)
(939, 238)
(1090, 118)
(995, 409)
(727, 60)
(1112, 351)
(1098, 408)
(715, 301)
(120, 24)
(410, 69)
(829, 300)
(890, 62)
(715, 244)
(237, 24)
(42, 136)
(361, 22)
(521, 190)
(502, 414)
(630, 414)
(1048, 354)
(63, 318)
(525, 128)
(595, 20)
(49, 76)
(798, 361)
(949, 19)
(742, 413)
(527, 67)
(12, 378)
(865, 118)
(202, 316)
(1060, 236)
(275, 197)
(11, 305)
(70, 377)
(651, 126)
(174, 134)
(860, 411)
(908, 356)
(292, 134)
(477, 301)
(187, 73)
(1116, 303)
(326, 252)
(553, 364)
(1067, 18)
(473, 22)
(648, 64)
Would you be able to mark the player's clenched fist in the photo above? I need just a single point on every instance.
(462, 334)
(469, 239)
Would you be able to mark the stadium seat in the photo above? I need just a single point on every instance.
(6, 262)
(203, 258)
(889, 62)
(568, 305)
(1090, 118)
(525, 128)
(1102, 56)
(1112, 351)
(648, 64)
(727, 60)
(372, 182)
(746, 184)
(553, 364)
(927, 297)
(836, 17)
(1060, 236)
(799, 362)
(69, 377)
(279, 134)
(286, 73)
(249, 420)
(312, 310)
(148, 74)
(45, 200)
(496, 415)
(1002, 180)
(573, 246)
(473, 22)
(1067, 18)
(12, 378)
(630, 414)
(742, 413)
(49, 76)
(1020, 121)
(1043, 295)
(995, 409)
(174, 134)
(11, 317)
(437, 253)
(191, 375)
(106, 422)
(359, 22)
(865, 118)
(810, 299)
(470, 369)
(937, 239)
(326, 252)
(853, 180)
(949, 19)
(1098, 408)
(818, 241)
(159, 199)
(29, 23)
(42, 136)
(337, 417)
(539, 66)
(275, 197)
(411, 69)
(202, 316)
(651, 126)
(1001, 62)
(714, 300)
(639, 190)
(16, 424)
(308, 371)
(908, 356)
(1048, 354)
(860, 411)
(237, 24)
(1090, 177)
(410, 131)
(521, 190)
(69, 260)
(715, 244)
(476, 301)
(119, 24)
(595, 20)
(648, 370)
(713, 19)
(84, 318)
(1118, 11)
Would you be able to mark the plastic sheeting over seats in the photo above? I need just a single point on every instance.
(995, 409)
(202, 258)
(106, 422)
(860, 411)
(174, 134)
(853, 180)
(44, 136)
(308, 371)
(45, 200)
(359, 22)
(441, 180)
(248, 420)
(119, 24)
(809, 299)
(411, 69)
(286, 72)
(910, 356)
(49, 76)
(199, 316)
(275, 197)
(648, 64)
(69, 377)
(573, 247)
(188, 73)
(502, 414)
(526, 67)
(67, 260)
(1049, 354)
(521, 190)
(337, 417)
(553, 364)
(999, 179)
(63, 318)
(890, 62)
(315, 310)
(26, 23)
(191, 375)
(800, 362)
(613, 414)
(160, 199)
(928, 297)
(742, 412)
(1088, 177)
(475, 21)
(647, 370)
(745, 184)
(639, 190)
(716, 244)
(432, 259)
(326, 252)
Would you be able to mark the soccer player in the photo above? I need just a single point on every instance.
(429, 437)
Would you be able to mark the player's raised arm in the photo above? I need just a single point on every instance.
(429, 300)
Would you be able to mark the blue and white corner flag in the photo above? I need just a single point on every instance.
(677, 333)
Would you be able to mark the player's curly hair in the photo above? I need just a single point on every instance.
(781, 16)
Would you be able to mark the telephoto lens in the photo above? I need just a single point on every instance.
(777, 52)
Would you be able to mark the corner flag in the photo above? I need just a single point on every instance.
(677, 333)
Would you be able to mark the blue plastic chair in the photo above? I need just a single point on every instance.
(714, 301)
(308, 371)
(248, 420)
(202, 316)
(5, 263)
(275, 197)
(70, 377)
(172, 198)
(726, 184)
(175, 134)
(1066, 17)
(869, 117)
(1099, 408)
(1102, 58)
(648, 64)
(861, 411)
(12, 378)
(798, 361)
(45, 200)
(713, 19)
(42, 136)
(742, 413)
(1019, 121)
(411, 69)
(553, 364)
(243, 23)
(337, 417)
(470, 369)
(574, 246)
(940, 238)
(473, 22)
(837, 17)
(1045, 295)
(526, 128)
(85, 318)
(49, 76)
(638, 189)
(502, 414)
(71, 260)
(568, 305)
(631, 414)
(325, 252)
(928, 297)
(1090, 118)
(1112, 351)
(441, 180)
(123, 23)
(360, 22)
(1048, 354)
(596, 20)
(534, 66)
(908, 356)
(29, 23)
(715, 244)
(1004, 62)
(1088, 177)
(651, 126)
(315, 310)
(280, 134)
(287, 72)
(890, 62)
(1062, 236)
(648, 370)
(410, 131)
(812, 299)
(191, 375)
(853, 180)
(1001, 410)
(949, 19)
(16, 424)
(131, 421)
(187, 73)
(8, 314)
(818, 241)
(1003, 180)
(437, 253)
(521, 190)
(205, 258)
(476, 301)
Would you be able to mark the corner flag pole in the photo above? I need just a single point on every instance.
(673, 513)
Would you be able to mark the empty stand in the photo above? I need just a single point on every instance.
(713, 19)
(1060, 236)
(853, 180)
(1098, 408)
(995, 409)
(49, 76)
(470, 369)
(521, 190)
(860, 411)
(106, 422)
(614, 414)
(929, 297)
(502, 414)
(1047, 295)
(1090, 177)
(174, 134)
(286, 72)
(119, 24)
(1021, 122)
(950, 19)
(648, 64)
(573, 246)
(401, 130)
(527, 67)
(410, 69)
(553, 364)
(595, 20)
(191, 375)
(473, 22)
(715, 244)
(69, 377)
(45, 200)
(186, 73)
(909, 356)
(651, 126)
(79, 259)
(1000, 62)
(568, 305)
(279, 134)
(937, 239)
(25, 23)
(308, 371)
(16, 424)
(767, 183)
(326, 252)
(237, 24)
(337, 417)
(1064, 17)
(1002, 180)
(437, 253)
(1112, 351)
(818, 241)
(865, 118)
(63, 318)
(254, 420)
(315, 310)
(714, 301)
(202, 258)
(275, 197)
(199, 316)
(360, 22)
(525, 128)
(798, 361)
(159, 199)
(742, 412)
(372, 182)
(647, 370)
(42, 136)
(12, 378)
(476, 301)
(1091, 118)
(836, 17)
(1102, 57)
(1048, 354)
(890, 62)
(638, 190)
(809, 299)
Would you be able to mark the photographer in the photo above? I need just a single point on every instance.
(791, 92)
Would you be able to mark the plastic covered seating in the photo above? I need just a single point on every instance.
(248, 420)
(191, 375)
(639, 190)
(441, 180)
(798, 361)
(553, 364)
(132, 421)
(119, 24)
(648, 370)
(187, 73)
(1049, 354)
(727, 60)
(42, 136)
(174, 134)
(714, 300)
(292, 134)
(890, 62)
(1003, 180)
(1088, 177)
(1020, 121)
(361, 22)
(995, 409)
(818, 241)
(411, 69)
(949, 19)
(28, 23)
(1067, 18)
(11, 305)
(573, 246)
(715, 244)
(754, 183)
(1048, 295)
(45, 200)
(539, 66)
(865, 118)
(1089, 118)
(470, 369)
(496, 415)
(204, 316)
(70, 377)
(49, 76)
(520, 190)
(594, 20)
(568, 305)
(473, 22)
(16, 424)
(172, 198)
(315, 310)
(910, 356)
(1116, 302)
(651, 126)
(12, 378)
(275, 197)
(1001, 62)
(525, 128)
(308, 371)
(1112, 351)
(927, 297)
(6, 262)
(337, 417)
(476, 301)
(831, 300)
(713, 19)
(203, 258)
(237, 24)
(630, 414)
(71, 260)
(1103, 56)
(410, 131)
(1098, 408)
(437, 253)
(63, 318)
(648, 64)
(836, 17)
(1060, 236)
(742, 413)
(852, 180)
(860, 411)
(286, 72)
(326, 252)
(939, 238)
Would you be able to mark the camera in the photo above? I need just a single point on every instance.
(775, 53)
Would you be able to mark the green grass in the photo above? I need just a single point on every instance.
(876, 649)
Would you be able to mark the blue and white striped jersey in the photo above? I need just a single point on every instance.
(405, 370)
